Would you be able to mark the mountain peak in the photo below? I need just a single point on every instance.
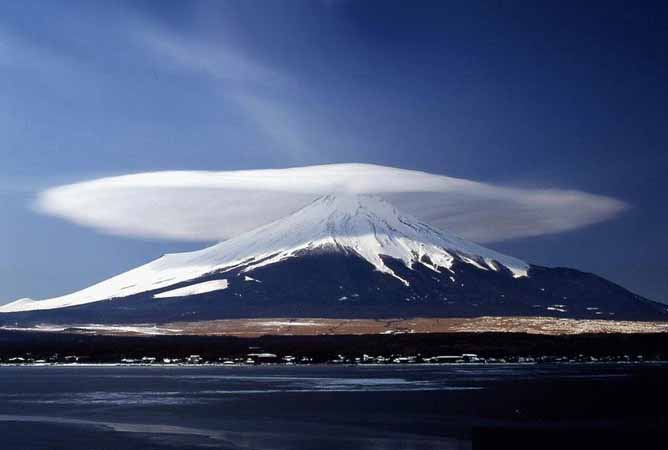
(352, 203)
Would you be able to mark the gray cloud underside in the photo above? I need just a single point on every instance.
(211, 206)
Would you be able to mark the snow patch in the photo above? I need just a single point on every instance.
(275, 323)
(247, 278)
(193, 289)
(139, 329)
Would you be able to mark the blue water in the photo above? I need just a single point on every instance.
(319, 407)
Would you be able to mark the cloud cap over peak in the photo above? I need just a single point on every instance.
(212, 206)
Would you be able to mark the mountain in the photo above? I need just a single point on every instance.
(340, 256)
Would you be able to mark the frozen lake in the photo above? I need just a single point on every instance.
(323, 407)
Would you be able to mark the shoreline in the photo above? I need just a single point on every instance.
(344, 365)
(30, 347)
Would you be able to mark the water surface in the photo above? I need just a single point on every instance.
(320, 407)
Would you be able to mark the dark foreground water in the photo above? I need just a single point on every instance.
(408, 407)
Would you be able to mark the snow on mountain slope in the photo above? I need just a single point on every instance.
(365, 225)
(194, 289)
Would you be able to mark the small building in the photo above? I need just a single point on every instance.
(444, 359)
(470, 357)
(259, 358)
(405, 359)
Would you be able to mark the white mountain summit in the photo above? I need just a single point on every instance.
(364, 225)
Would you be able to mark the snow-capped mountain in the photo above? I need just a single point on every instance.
(340, 256)
(366, 226)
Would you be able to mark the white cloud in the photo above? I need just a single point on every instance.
(204, 206)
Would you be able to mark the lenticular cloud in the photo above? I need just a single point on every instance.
(206, 206)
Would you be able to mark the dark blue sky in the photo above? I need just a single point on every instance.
(552, 95)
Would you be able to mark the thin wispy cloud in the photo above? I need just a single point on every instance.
(220, 61)
(277, 122)
(250, 85)
(210, 206)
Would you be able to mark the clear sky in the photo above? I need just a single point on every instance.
(559, 95)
